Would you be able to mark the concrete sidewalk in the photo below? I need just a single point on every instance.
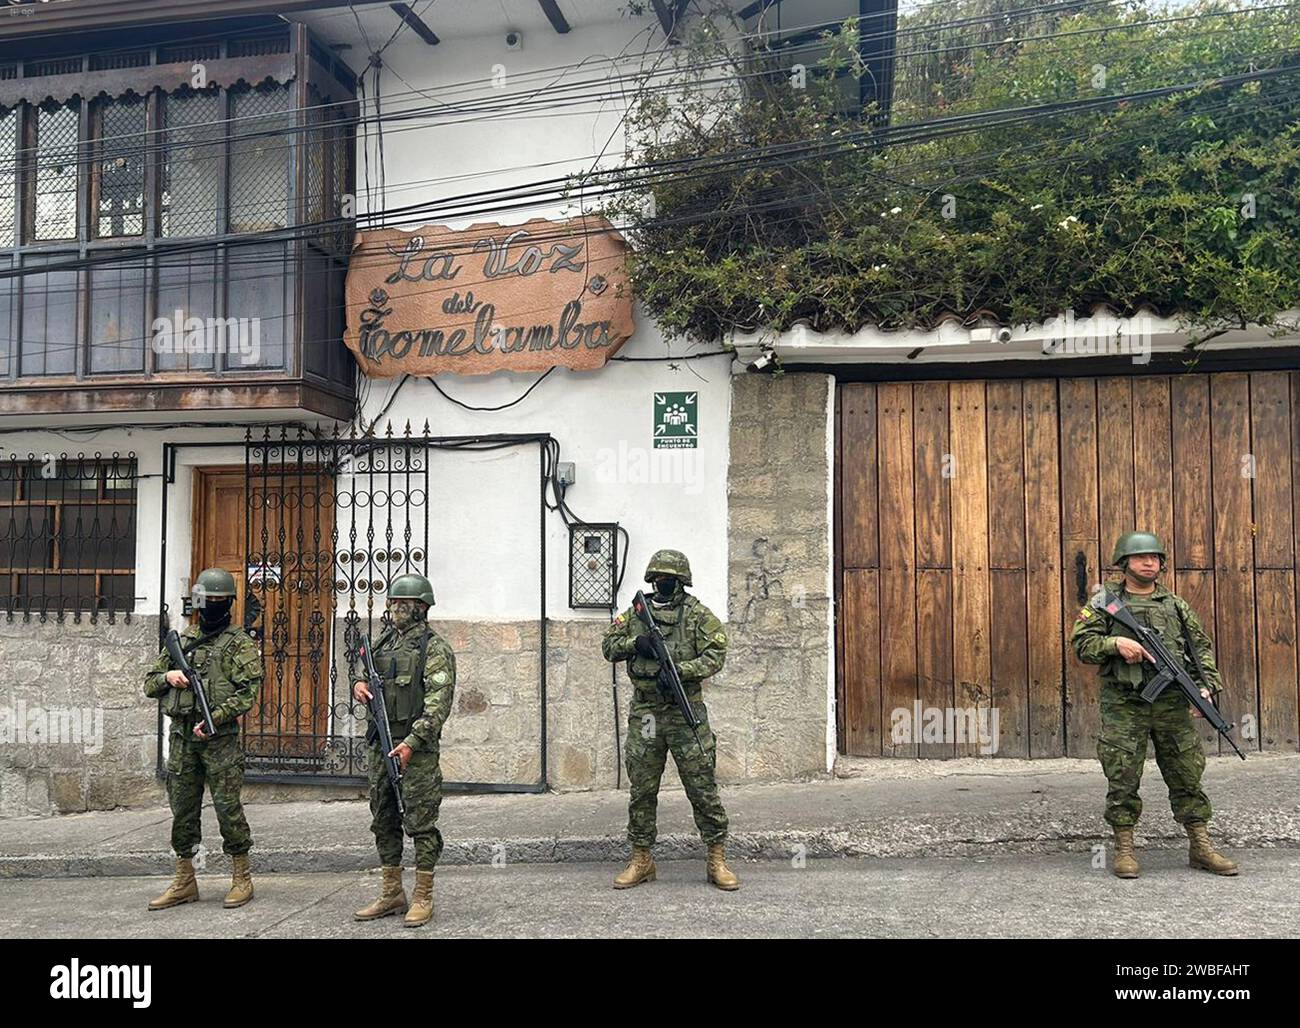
(872, 808)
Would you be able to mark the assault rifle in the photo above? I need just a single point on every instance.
(1168, 670)
(172, 642)
(670, 681)
(379, 729)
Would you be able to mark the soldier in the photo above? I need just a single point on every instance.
(419, 672)
(230, 666)
(1127, 720)
(697, 643)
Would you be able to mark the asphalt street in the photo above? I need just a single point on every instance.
(1018, 895)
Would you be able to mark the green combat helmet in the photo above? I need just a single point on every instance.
(669, 562)
(411, 587)
(213, 584)
(1130, 544)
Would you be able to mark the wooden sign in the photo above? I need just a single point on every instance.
(488, 298)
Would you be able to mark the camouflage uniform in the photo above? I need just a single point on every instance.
(1127, 720)
(230, 666)
(419, 671)
(698, 645)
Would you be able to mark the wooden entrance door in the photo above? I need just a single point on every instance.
(292, 592)
(973, 517)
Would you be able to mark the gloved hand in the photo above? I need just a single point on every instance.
(644, 647)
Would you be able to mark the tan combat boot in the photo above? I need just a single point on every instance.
(391, 901)
(1125, 864)
(719, 873)
(241, 883)
(183, 889)
(641, 868)
(421, 900)
(1202, 853)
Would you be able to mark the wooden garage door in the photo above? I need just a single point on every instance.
(970, 515)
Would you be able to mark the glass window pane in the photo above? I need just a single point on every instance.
(25, 537)
(62, 480)
(49, 323)
(261, 137)
(120, 151)
(8, 175)
(259, 311)
(117, 305)
(98, 536)
(56, 172)
(117, 592)
(8, 314)
(191, 180)
(187, 289)
(56, 592)
(318, 198)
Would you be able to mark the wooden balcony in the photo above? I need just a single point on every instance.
(176, 243)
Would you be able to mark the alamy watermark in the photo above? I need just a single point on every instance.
(178, 334)
(1100, 334)
(21, 725)
(639, 465)
(945, 725)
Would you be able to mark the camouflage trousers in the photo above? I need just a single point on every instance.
(422, 794)
(1127, 722)
(218, 762)
(654, 728)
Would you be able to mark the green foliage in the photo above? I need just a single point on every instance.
(780, 209)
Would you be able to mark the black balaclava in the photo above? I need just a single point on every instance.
(665, 588)
(215, 612)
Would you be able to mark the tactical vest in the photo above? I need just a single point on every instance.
(208, 658)
(1160, 614)
(400, 663)
(672, 621)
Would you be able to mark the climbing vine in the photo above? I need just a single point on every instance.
(769, 202)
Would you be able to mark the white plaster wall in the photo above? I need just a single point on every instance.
(483, 507)
(484, 547)
(484, 550)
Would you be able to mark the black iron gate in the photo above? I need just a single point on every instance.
(330, 520)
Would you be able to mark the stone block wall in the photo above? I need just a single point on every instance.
(771, 701)
(769, 705)
(76, 732)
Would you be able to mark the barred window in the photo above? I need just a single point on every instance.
(56, 171)
(8, 176)
(8, 317)
(119, 167)
(191, 181)
(259, 159)
(67, 535)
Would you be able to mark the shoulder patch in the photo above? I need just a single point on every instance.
(441, 677)
(621, 620)
(1084, 614)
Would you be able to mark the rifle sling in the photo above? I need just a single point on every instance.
(1195, 670)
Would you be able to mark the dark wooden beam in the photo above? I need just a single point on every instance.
(670, 15)
(30, 401)
(412, 19)
(757, 7)
(878, 21)
(553, 14)
(32, 20)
